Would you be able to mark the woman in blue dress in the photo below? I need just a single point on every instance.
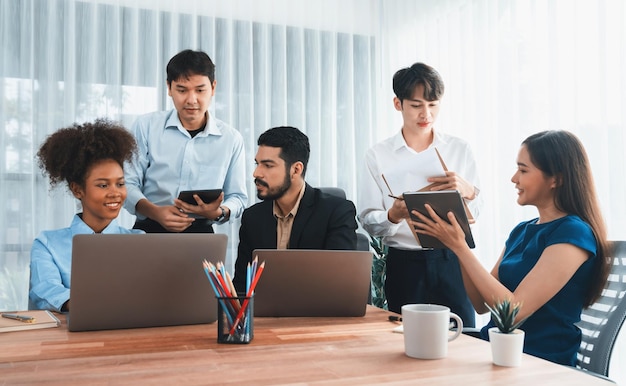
(89, 159)
(554, 265)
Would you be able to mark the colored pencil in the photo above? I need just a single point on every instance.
(233, 291)
(234, 304)
(208, 274)
(231, 306)
(248, 295)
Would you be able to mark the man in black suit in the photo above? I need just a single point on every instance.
(292, 215)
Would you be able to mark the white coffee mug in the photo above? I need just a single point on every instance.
(427, 330)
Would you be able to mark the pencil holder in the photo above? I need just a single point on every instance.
(235, 319)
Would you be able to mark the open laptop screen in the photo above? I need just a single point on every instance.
(297, 282)
(142, 280)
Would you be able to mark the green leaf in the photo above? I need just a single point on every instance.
(503, 314)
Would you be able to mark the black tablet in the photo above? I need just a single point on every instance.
(442, 202)
(207, 195)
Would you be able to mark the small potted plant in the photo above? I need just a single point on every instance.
(378, 272)
(507, 340)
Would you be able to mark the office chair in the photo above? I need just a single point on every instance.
(362, 241)
(602, 321)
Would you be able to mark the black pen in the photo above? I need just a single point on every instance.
(396, 197)
(21, 318)
(393, 318)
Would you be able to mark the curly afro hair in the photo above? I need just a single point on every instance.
(69, 153)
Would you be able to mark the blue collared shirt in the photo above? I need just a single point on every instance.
(170, 161)
(51, 262)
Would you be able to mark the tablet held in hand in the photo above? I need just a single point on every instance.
(206, 195)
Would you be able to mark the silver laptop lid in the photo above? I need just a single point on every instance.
(142, 280)
(297, 282)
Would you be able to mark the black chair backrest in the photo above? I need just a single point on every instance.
(602, 321)
(333, 191)
(362, 241)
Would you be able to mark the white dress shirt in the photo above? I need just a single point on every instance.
(384, 156)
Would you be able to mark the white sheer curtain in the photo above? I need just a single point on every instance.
(280, 62)
(513, 68)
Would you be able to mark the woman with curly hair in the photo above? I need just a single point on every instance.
(89, 158)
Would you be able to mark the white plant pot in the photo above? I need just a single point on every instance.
(506, 349)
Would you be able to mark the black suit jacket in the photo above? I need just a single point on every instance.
(323, 221)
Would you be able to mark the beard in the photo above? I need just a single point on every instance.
(273, 193)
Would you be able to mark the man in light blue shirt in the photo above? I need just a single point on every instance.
(186, 149)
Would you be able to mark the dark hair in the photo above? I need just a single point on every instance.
(293, 144)
(405, 80)
(188, 63)
(69, 153)
(560, 154)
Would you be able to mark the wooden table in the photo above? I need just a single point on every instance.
(284, 350)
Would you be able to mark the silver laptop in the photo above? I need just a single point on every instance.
(297, 282)
(142, 280)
